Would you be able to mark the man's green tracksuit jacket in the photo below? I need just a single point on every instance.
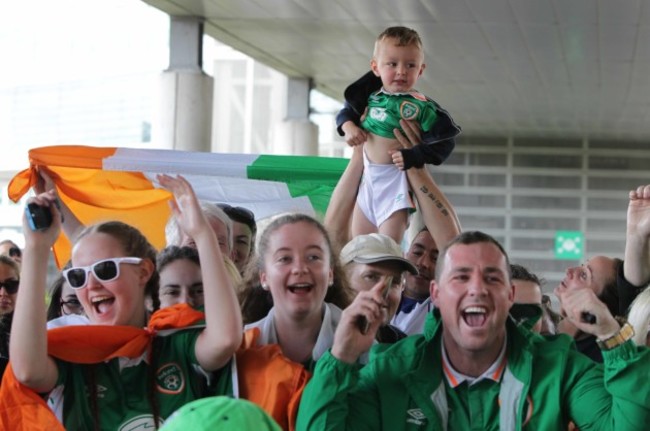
(546, 384)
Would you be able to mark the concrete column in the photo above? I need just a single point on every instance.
(296, 134)
(183, 120)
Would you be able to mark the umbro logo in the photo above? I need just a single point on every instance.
(416, 417)
(378, 114)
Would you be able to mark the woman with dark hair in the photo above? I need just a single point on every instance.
(64, 308)
(615, 282)
(599, 274)
(180, 277)
(244, 229)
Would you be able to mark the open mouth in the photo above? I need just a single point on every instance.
(475, 316)
(101, 304)
(300, 288)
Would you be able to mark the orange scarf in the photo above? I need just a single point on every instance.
(22, 409)
(270, 379)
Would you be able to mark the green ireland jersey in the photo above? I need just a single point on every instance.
(386, 109)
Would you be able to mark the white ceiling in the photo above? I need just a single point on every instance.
(501, 67)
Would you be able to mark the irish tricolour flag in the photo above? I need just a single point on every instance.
(119, 183)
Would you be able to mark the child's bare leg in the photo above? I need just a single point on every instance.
(395, 225)
(360, 224)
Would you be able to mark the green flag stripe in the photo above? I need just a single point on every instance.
(314, 177)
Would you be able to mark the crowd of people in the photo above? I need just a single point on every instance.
(310, 325)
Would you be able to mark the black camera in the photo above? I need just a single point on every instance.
(38, 217)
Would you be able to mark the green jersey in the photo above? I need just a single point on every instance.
(386, 109)
(122, 387)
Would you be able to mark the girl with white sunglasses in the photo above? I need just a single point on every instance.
(113, 268)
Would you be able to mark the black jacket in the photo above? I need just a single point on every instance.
(437, 143)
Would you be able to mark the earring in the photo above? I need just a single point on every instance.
(331, 284)
(264, 286)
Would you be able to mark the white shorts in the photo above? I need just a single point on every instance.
(384, 190)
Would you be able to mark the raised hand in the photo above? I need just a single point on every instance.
(185, 207)
(44, 237)
(354, 135)
(407, 140)
(349, 340)
(638, 211)
(578, 299)
(412, 135)
(636, 267)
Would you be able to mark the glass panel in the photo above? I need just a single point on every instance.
(486, 180)
(619, 163)
(477, 222)
(475, 200)
(608, 247)
(618, 145)
(478, 159)
(544, 202)
(546, 182)
(608, 204)
(601, 225)
(543, 266)
(542, 222)
(533, 244)
(458, 158)
(620, 184)
(483, 141)
(547, 142)
(547, 161)
(448, 179)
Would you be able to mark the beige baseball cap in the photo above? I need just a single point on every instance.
(373, 248)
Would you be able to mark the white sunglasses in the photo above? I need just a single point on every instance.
(104, 270)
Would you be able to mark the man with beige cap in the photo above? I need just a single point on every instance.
(373, 259)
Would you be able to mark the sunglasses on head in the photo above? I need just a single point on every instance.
(239, 214)
(15, 252)
(104, 270)
(10, 285)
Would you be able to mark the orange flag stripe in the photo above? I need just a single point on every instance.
(95, 195)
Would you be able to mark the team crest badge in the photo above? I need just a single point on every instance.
(408, 110)
(170, 379)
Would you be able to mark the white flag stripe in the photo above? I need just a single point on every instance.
(264, 198)
(179, 162)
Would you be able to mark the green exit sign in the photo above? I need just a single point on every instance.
(569, 244)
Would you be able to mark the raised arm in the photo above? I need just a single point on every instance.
(607, 397)
(637, 243)
(223, 332)
(28, 345)
(437, 212)
(339, 210)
